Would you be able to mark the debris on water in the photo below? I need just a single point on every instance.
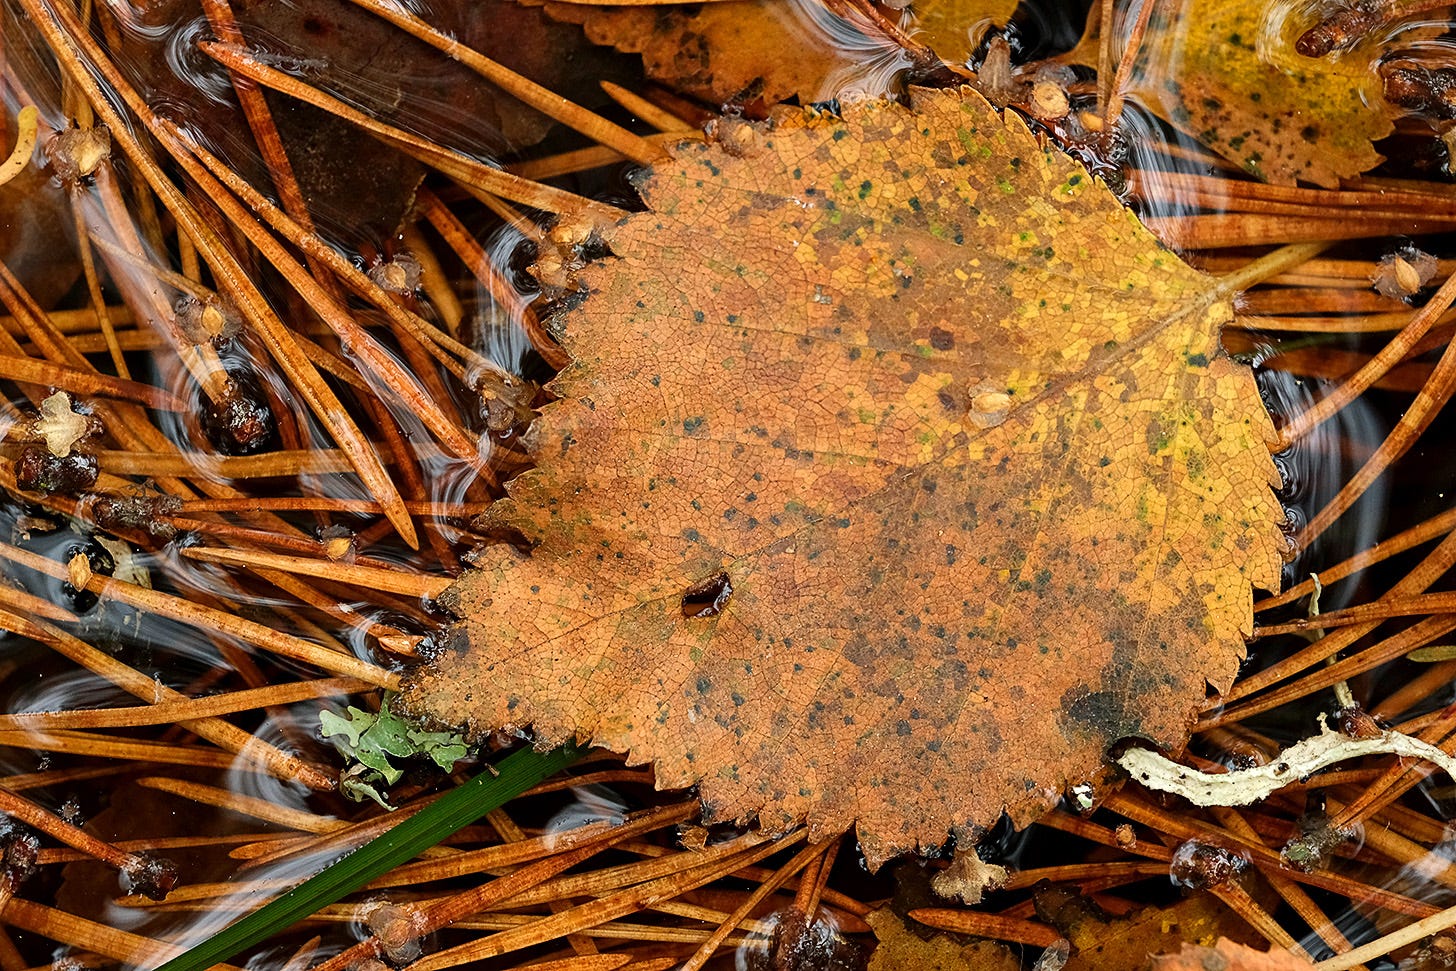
(206, 319)
(61, 426)
(1353, 721)
(400, 275)
(150, 513)
(798, 944)
(19, 850)
(1316, 840)
(968, 878)
(1197, 865)
(242, 421)
(1430, 92)
(151, 876)
(76, 153)
(338, 542)
(399, 929)
(1055, 957)
(1341, 30)
(1402, 274)
(38, 470)
(994, 79)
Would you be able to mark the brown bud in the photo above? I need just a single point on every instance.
(1048, 101)
(76, 153)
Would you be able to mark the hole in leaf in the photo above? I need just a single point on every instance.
(707, 598)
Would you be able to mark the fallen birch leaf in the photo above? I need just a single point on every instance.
(1226, 73)
(897, 473)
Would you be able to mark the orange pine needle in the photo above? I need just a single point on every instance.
(980, 924)
(210, 618)
(373, 578)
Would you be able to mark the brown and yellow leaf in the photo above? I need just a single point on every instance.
(898, 472)
(900, 949)
(1229, 956)
(1226, 73)
(774, 50)
(1129, 943)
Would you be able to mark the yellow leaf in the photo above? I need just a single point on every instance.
(1226, 72)
(900, 949)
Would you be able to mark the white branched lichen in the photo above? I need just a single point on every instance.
(1241, 787)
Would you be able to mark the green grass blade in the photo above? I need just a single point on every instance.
(453, 811)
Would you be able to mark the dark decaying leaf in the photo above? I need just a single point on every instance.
(356, 187)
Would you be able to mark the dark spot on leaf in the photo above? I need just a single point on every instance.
(708, 597)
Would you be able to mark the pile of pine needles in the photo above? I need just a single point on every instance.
(253, 525)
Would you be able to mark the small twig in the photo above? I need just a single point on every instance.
(89, 936)
(1408, 539)
(263, 809)
(93, 287)
(1424, 603)
(186, 709)
(1417, 580)
(1269, 265)
(207, 726)
(544, 100)
(1357, 384)
(19, 158)
(31, 371)
(760, 893)
(63, 33)
(1390, 942)
(367, 507)
(1325, 677)
(572, 848)
(1132, 46)
(30, 814)
(713, 863)
(1413, 422)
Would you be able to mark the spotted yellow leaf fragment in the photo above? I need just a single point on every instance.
(899, 535)
(1226, 73)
